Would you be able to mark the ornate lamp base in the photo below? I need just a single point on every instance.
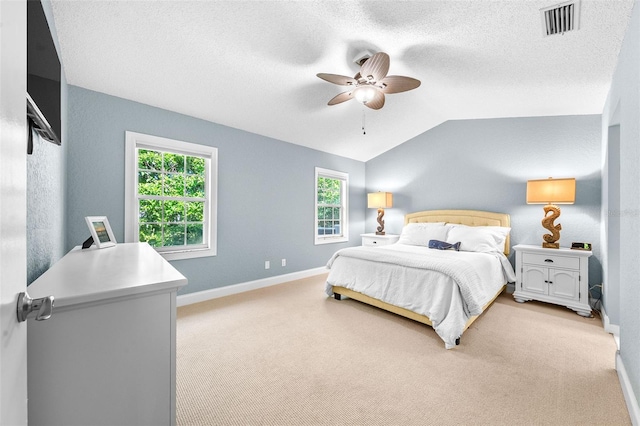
(380, 229)
(547, 223)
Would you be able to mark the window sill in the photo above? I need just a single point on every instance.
(187, 254)
(331, 240)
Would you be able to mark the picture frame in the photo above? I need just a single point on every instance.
(101, 231)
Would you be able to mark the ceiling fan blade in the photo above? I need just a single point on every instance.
(377, 102)
(341, 97)
(342, 80)
(397, 84)
(376, 67)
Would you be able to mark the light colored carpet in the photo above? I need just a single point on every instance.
(289, 355)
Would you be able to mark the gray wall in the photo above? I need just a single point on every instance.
(623, 108)
(485, 165)
(265, 188)
(46, 179)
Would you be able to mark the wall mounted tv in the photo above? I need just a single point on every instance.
(43, 77)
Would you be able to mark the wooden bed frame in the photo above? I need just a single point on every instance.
(463, 217)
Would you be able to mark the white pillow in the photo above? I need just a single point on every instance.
(419, 234)
(478, 238)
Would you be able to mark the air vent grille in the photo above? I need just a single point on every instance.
(561, 18)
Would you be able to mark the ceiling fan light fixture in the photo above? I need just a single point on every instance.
(364, 93)
(371, 84)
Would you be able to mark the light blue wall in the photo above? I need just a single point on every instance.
(265, 188)
(485, 165)
(46, 179)
(623, 108)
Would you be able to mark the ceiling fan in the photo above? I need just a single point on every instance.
(372, 82)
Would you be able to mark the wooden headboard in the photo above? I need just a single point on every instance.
(463, 217)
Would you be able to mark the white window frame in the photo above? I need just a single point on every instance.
(135, 141)
(344, 198)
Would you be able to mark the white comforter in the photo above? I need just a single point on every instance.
(447, 286)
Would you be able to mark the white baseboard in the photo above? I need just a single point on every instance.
(609, 327)
(627, 390)
(201, 296)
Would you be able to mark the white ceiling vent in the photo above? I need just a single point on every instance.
(560, 18)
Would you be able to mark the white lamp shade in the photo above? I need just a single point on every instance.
(551, 191)
(379, 200)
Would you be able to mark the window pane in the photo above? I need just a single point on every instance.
(174, 211)
(336, 227)
(325, 227)
(149, 160)
(174, 185)
(195, 165)
(149, 183)
(173, 163)
(322, 212)
(151, 234)
(321, 227)
(173, 235)
(336, 212)
(150, 211)
(195, 212)
(195, 233)
(329, 190)
(194, 186)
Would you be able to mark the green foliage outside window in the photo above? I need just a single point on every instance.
(171, 194)
(329, 206)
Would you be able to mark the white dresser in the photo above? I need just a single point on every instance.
(107, 355)
(559, 276)
(379, 240)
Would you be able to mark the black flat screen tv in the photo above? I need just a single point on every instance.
(43, 77)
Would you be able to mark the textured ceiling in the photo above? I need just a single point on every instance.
(252, 65)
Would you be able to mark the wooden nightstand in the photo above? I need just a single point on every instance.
(559, 276)
(379, 240)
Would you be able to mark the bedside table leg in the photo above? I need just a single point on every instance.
(583, 313)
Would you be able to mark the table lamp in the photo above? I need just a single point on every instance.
(380, 201)
(551, 192)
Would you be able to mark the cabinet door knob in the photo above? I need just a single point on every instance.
(549, 260)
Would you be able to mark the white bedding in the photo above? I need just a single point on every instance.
(447, 286)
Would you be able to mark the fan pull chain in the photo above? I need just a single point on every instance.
(364, 132)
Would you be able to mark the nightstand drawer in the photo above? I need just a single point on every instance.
(551, 261)
(372, 240)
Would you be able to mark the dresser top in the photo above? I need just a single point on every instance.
(99, 275)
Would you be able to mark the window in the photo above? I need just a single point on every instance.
(332, 195)
(171, 196)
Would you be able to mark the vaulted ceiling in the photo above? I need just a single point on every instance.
(252, 65)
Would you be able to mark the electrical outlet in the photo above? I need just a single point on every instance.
(284, 262)
(267, 264)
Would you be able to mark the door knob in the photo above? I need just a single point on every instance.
(41, 308)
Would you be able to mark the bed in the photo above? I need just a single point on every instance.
(445, 289)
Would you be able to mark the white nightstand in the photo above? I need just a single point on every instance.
(379, 240)
(559, 276)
